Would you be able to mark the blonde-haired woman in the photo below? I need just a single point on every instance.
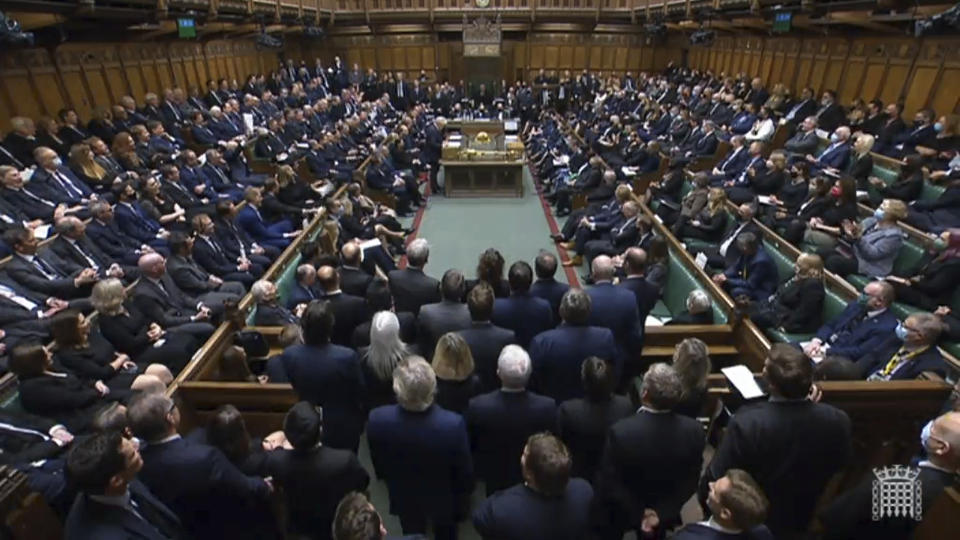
(691, 360)
(797, 305)
(711, 222)
(874, 243)
(457, 380)
(134, 334)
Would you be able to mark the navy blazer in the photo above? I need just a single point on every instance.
(556, 356)
(92, 519)
(525, 314)
(834, 156)
(645, 293)
(112, 241)
(523, 514)
(424, 458)
(330, 376)
(204, 489)
(761, 276)
(500, 423)
(733, 164)
(251, 221)
(877, 357)
(616, 308)
(552, 291)
(299, 294)
(857, 341)
(135, 222)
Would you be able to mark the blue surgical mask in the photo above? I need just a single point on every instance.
(878, 213)
(57, 162)
(834, 137)
(901, 332)
(938, 127)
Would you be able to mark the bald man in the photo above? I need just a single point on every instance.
(615, 308)
(349, 311)
(850, 515)
(159, 298)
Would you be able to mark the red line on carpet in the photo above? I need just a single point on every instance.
(571, 271)
(416, 223)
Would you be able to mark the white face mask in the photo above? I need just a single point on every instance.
(57, 162)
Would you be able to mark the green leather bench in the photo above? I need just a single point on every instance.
(929, 192)
(907, 259)
(680, 281)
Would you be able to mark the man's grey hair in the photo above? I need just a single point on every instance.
(661, 387)
(98, 207)
(147, 416)
(698, 301)
(575, 307)
(418, 252)
(415, 384)
(929, 325)
(67, 224)
(513, 367)
(602, 268)
(215, 110)
(260, 289)
(305, 270)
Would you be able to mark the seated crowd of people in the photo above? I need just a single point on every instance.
(512, 378)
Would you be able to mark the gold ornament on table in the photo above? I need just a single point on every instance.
(482, 137)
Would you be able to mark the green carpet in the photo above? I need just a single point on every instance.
(458, 230)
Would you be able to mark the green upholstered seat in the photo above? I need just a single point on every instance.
(833, 305)
(784, 262)
(680, 281)
(931, 191)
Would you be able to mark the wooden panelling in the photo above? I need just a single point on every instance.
(918, 72)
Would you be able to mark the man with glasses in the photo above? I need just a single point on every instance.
(907, 353)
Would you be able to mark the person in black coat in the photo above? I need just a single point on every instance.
(73, 246)
(159, 298)
(314, 477)
(527, 315)
(423, 453)
(792, 446)
(500, 421)
(485, 340)
(797, 305)
(448, 315)
(104, 468)
(353, 279)
(738, 507)
(348, 311)
(646, 293)
(26, 438)
(851, 515)
(411, 288)
(710, 224)
(378, 299)
(546, 287)
(548, 505)
(934, 279)
(196, 481)
(457, 381)
(650, 462)
(328, 375)
(582, 423)
(42, 273)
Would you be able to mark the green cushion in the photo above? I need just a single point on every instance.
(888, 176)
(680, 282)
(952, 348)
(907, 258)
(694, 245)
(858, 280)
(660, 310)
(11, 404)
(833, 305)
(902, 311)
(930, 191)
(287, 278)
(783, 261)
(783, 337)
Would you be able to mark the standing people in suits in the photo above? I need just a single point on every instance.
(314, 477)
(582, 423)
(328, 375)
(430, 153)
(616, 309)
(422, 452)
(645, 293)
(790, 444)
(546, 287)
(112, 503)
(558, 354)
(501, 421)
(548, 505)
(349, 311)
(738, 509)
(410, 287)
(484, 338)
(651, 461)
(196, 481)
(448, 315)
(522, 312)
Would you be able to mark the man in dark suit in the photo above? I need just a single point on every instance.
(485, 340)
(195, 281)
(423, 453)
(830, 115)
(558, 354)
(501, 421)
(804, 141)
(862, 326)
(353, 279)
(250, 220)
(908, 353)
(546, 287)
(400, 93)
(802, 108)
(56, 181)
(733, 164)
(112, 503)
(738, 507)
(269, 311)
(852, 514)
(314, 477)
(651, 461)
(196, 481)
(74, 247)
(754, 274)
(107, 235)
(164, 303)
(348, 310)
(547, 505)
(791, 445)
(44, 274)
(411, 288)
(522, 312)
(645, 293)
(622, 233)
(33, 205)
(237, 245)
(134, 221)
(615, 308)
(22, 140)
(726, 252)
(327, 375)
(430, 153)
(834, 156)
(304, 288)
(213, 257)
(450, 314)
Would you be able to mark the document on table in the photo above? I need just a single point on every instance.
(742, 379)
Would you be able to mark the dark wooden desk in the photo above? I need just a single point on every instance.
(482, 178)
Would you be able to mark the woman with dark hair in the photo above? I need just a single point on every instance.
(906, 187)
(49, 391)
(125, 151)
(583, 423)
(227, 432)
(163, 210)
(823, 228)
(490, 270)
(84, 351)
(658, 262)
(83, 165)
(710, 224)
(935, 276)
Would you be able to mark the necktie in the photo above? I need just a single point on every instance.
(13, 160)
(400, 89)
(37, 197)
(67, 185)
(44, 268)
(87, 256)
(214, 245)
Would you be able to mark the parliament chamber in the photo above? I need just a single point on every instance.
(501, 269)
